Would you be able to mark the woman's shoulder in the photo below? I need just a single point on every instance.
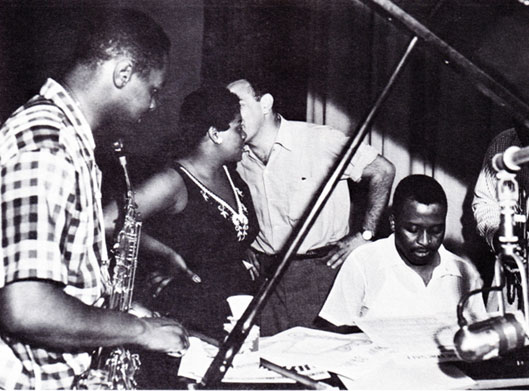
(170, 175)
(165, 189)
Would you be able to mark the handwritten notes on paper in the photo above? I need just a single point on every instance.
(405, 375)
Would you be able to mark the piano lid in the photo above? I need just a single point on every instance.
(485, 40)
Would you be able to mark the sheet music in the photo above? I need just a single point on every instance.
(415, 338)
(350, 355)
(395, 374)
(420, 349)
(355, 358)
(246, 369)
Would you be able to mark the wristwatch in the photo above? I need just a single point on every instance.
(367, 235)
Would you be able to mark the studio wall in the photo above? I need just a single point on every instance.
(36, 38)
(338, 55)
(326, 61)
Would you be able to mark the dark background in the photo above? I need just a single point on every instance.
(340, 51)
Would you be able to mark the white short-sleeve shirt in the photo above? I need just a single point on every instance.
(375, 282)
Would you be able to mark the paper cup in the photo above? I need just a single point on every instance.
(238, 304)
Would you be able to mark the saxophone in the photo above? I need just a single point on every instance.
(116, 368)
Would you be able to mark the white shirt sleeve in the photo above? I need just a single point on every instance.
(364, 156)
(344, 302)
(485, 205)
(334, 143)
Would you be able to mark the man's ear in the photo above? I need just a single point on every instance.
(214, 135)
(122, 73)
(267, 102)
(392, 222)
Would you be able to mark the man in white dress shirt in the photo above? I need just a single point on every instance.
(285, 165)
(409, 273)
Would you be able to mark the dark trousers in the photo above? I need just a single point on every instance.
(299, 295)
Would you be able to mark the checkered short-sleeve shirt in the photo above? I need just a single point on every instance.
(50, 223)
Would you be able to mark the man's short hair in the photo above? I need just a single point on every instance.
(420, 188)
(258, 89)
(128, 32)
(262, 85)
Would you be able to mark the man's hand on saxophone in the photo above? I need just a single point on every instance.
(163, 335)
(45, 315)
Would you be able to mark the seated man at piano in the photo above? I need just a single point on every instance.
(410, 273)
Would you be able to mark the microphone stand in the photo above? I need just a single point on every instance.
(508, 194)
(495, 336)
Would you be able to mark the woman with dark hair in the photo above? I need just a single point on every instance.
(198, 214)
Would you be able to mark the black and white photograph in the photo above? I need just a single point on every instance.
(264, 194)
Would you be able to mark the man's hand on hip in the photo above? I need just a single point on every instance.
(344, 247)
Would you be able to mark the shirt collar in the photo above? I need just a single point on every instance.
(285, 137)
(444, 268)
(62, 98)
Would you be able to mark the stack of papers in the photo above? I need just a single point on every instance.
(414, 338)
(349, 355)
(421, 349)
(394, 353)
(245, 367)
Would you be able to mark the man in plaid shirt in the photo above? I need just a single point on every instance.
(51, 216)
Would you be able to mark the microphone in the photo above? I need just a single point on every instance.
(489, 338)
(498, 335)
(511, 159)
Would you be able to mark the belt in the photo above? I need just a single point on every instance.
(319, 252)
